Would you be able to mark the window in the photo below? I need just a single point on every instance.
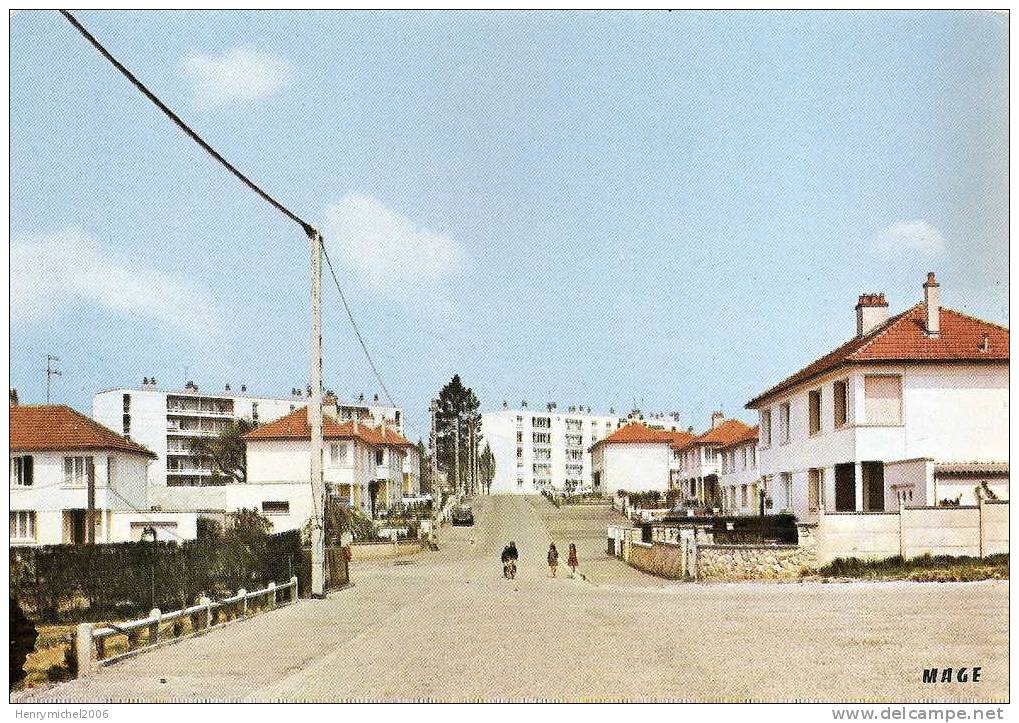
(520, 482)
(743, 496)
(22, 525)
(520, 437)
(127, 403)
(573, 425)
(78, 471)
(882, 399)
(339, 452)
(744, 458)
(815, 489)
(841, 393)
(254, 412)
(753, 456)
(380, 456)
(542, 469)
(520, 421)
(542, 422)
(541, 438)
(271, 507)
(574, 440)
(22, 471)
(814, 405)
(783, 423)
(520, 452)
(576, 455)
(111, 471)
(765, 427)
(787, 490)
(543, 454)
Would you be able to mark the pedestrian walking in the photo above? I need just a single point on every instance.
(553, 559)
(572, 559)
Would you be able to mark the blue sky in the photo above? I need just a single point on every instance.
(596, 208)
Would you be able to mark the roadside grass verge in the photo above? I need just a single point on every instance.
(920, 569)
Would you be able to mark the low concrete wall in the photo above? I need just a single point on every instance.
(994, 528)
(863, 535)
(661, 559)
(360, 551)
(975, 531)
(940, 531)
(717, 563)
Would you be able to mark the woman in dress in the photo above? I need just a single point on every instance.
(553, 559)
(572, 560)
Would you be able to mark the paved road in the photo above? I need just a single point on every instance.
(447, 626)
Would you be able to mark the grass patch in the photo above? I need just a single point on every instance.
(920, 569)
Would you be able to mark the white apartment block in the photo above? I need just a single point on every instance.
(912, 411)
(166, 421)
(550, 449)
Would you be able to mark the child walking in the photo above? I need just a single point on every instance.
(553, 559)
(572, 560)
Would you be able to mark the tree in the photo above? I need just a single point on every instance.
(486, 461)
(458, 410)
(225, 452)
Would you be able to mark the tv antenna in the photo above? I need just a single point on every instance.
(50, 373)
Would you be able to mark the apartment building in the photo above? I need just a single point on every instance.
(60, 461)
(698, 470)
(913, 410)
(635, 458)
(740, 477)
(364, 466)
(167, 421)
(549, 450)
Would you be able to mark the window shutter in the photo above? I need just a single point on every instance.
(27, 470)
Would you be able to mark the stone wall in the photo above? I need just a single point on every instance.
(717, 563)
(662, 559)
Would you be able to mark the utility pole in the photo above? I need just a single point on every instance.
(456, 452)
(318, 553)
(470, 456)
(50, 373)
(432, 447)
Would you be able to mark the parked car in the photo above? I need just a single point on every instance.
(462, 517)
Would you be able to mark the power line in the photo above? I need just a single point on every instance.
(307, 227)
(357, 331)
(191, 133)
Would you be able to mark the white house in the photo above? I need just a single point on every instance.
(635, 458)
(363, 466)
(740, 477)
(912, 410)
(58, 459)
(699, 468)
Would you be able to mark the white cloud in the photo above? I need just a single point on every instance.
(50, 274)
(909, 237)
(389, 252)
(238, 74)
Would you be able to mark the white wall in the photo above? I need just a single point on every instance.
(49, 496)
(732, 479)
(634, 467)
(949, 413)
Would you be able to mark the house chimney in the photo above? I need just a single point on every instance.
(871, 312)
(716, 419)
(329, 406)
(932, 303)
(14, 397)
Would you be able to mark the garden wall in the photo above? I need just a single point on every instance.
(716, 563)
(664, 559)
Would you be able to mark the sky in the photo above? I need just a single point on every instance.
(668, 210)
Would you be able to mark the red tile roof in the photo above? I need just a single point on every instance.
(55, 427)
(636, 433)
(750, 435)
(724, 434)
(295, 426)
(903, 339)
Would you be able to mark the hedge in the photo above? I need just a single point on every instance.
(64, 583)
